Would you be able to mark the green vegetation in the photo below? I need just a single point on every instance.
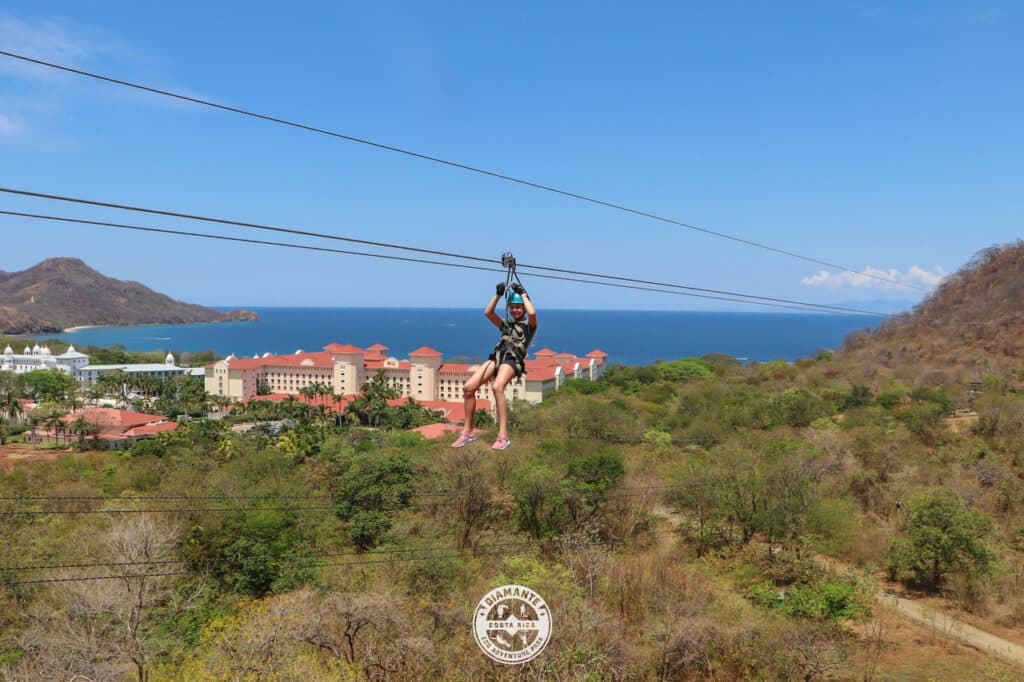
(674, 517)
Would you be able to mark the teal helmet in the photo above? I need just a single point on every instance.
(516, 298)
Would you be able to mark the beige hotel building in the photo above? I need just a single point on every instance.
(422, 377)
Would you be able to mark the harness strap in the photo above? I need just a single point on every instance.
(509, 261)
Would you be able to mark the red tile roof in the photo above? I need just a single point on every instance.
(109, 418)
(425, 350)
(347, 348)
(374, 357)
(272, 397)
(150, 429)
(544, 351)
(435, 431)
(451, 411)
(378, 348)
(540, 373)
(597, 354)
(454, 368)
(322, 360)
(326, 400)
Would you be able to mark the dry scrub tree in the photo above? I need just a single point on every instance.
(104, 629)
(877, 631)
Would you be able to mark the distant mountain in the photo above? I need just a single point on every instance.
(973, 324)
(65, 292)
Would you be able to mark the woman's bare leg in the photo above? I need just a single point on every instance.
(504, 375)
(481, 376)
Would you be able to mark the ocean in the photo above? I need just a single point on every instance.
(629, 337)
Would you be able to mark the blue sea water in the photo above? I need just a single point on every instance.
(629, 337)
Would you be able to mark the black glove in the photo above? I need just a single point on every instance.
(518, 288)
(500, 289)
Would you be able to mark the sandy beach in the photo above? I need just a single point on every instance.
(75, 329)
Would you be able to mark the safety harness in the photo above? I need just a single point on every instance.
(512, 346)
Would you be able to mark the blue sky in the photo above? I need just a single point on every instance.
(854, 132)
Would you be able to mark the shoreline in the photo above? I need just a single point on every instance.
(75, 329)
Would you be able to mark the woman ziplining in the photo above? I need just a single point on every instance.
(507, 360)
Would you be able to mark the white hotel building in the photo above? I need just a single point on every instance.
(41, 358)
(422, 377)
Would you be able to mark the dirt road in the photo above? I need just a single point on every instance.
(949, 626)
(943, 624)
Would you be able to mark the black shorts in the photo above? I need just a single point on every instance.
(507, 359)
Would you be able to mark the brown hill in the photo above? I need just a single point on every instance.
(973, 324)
(65, 292)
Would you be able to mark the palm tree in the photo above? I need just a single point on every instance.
(93, 392)
(54, 422)
(83, 429)
(72, 400)
(10, 405)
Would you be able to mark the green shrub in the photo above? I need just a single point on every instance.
(540, 502)
(943, 537)
(924, 421)
(370, 486)
(934, 395)
(796, 407)
(859, 396)
(434, 578)
(149, 447)
(776, 369)
(823, 600)
(584, 386)
(890, 397)
(685, 369)
(589, 480)
(659, 440)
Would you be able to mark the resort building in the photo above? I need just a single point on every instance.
(92, 373)
(37, 357)
(104, 426)
(423, 376)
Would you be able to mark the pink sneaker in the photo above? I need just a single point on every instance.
(463, 439)
(501, 443)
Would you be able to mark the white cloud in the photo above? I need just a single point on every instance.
(48, 39)
(9, 127)
(869, 278)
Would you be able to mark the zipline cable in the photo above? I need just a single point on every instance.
(452, 164)
(743, 298)
(389, 245)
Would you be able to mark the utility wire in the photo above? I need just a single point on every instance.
(452, 164)
(181, 573)
(181, 510)
(423, 502)
(37, 581)
(143, 498)
(458, 554)
(743, 298)
(282, 557)
(638, 490)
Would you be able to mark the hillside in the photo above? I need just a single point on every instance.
(973, 324)
(65, 292)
